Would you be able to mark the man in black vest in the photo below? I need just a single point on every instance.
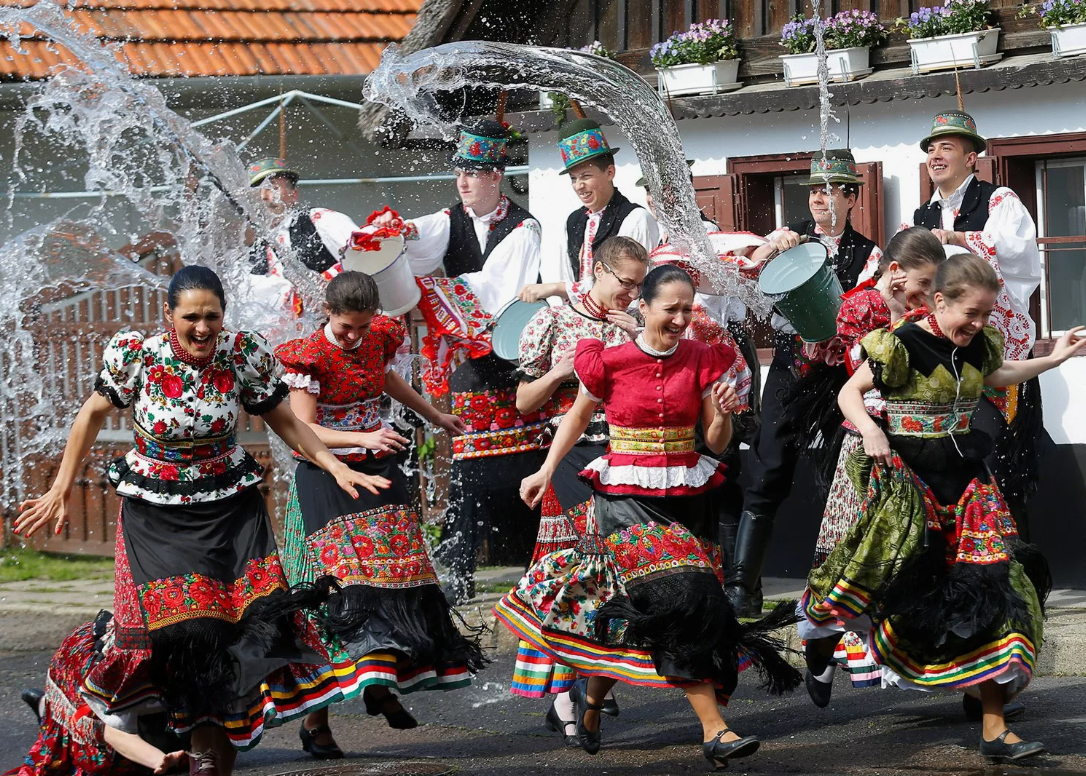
(590, 164)
(489, 248)
(966, 213)
(773, 457)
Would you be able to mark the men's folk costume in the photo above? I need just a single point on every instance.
(999, 229)
(775, 452)
(488, 258)
(585, 231)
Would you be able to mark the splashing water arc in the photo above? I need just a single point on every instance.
(409, 82)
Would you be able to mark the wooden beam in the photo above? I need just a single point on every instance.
(622, 29)
(657, 21)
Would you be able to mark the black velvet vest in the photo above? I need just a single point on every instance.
(973, 214)
(852, 252)
(463, 254)
(613, 215)
(308, 245)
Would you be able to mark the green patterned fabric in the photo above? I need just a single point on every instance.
(295, 560)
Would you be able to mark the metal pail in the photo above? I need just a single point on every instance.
(805, 289)
(391, 270)
(508, 325)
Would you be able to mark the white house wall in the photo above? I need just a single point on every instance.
(887, 132)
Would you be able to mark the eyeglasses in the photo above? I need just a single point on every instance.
(627, 285)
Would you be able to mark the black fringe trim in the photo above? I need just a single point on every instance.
(267, 405)
(420, 619)
(1019, 451)
(120, 472)
(114, 398)
(810, 410)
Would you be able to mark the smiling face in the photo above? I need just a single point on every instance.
(669, 313)
(197, 319)
(951, 159)
(918, 283)
(279, 193)
(830, 209)
(479, 189)
(592, 185)
(613, 289)
(350, 328)
(963, 318)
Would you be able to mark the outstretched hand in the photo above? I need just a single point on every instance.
(450, 423)
(36, 512)
(347, 478)
(1070, 344)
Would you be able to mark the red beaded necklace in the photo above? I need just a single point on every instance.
(934, 324)
(183, 355)
(594, 308)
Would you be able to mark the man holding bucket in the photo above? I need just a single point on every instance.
(834, 189)
(968, 214)
(489, 247)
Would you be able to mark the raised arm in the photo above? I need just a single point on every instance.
(1015, 372)
(53, 506)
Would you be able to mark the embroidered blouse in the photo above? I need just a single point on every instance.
(185, 414)
(553, 332)
(652, 404)
(348, 384)
(915, 373)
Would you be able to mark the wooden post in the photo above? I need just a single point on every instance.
(578, 111)
(502, 97)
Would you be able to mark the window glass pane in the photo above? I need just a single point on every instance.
(796, 195)
(1065, 202)
(1067, 284)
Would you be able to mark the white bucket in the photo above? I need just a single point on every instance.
(391, 270)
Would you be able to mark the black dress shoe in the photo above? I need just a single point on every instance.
(718, 752)
(399, 719)
(1001, 750)
(818, 668)
(610, 707)
(588, 739)
(974, 712)
(320, 751)
(558, 725)
(32, 698)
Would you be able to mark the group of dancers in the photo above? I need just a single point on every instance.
(616, 433)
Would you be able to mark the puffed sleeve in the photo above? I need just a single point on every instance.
(712, 365)
(993, 349)
(301, 371)
(254, 363)
(590, 370)
(392, 332)
(537, 345)
(888, 357)
(122, 368)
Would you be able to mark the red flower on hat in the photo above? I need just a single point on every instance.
(475, 149)
(593, 142)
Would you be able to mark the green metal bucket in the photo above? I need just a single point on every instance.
(805, 289)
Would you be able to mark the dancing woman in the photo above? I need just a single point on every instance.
(389, 625)
(205, 625)
(641, 598)
(547, 380)
(934, 559)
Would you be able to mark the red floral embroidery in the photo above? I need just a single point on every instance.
(172, 386)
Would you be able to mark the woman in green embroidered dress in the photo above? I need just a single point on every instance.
(954, 598)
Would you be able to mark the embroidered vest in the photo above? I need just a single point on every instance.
(973, 214)
(308, 245)
(613, 215)
(463, 254)
(852, 252)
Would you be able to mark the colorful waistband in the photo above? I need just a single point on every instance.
(929, 420)
(650, 441)
(182, 450)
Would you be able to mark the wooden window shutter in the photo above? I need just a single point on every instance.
(867, 216)
(717, 196)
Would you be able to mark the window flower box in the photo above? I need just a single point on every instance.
(699, 79)
(943, 52)
(844, 65)
(847, 37)
(1068, 41)
(702, 60)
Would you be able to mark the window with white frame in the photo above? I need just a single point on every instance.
(1061, 232)
(791, 196)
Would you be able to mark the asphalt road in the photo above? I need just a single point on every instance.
(485, 731)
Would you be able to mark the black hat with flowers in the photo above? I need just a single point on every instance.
(580, 141)
(481, 146)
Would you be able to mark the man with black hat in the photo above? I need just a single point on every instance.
(966, 213)
(590, 164)
(489, 247)
(834, 189)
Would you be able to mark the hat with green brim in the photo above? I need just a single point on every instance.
(954, 122)
(580, 141)
(643, 183)
(263, 169)
(481, 146)
(835, 166)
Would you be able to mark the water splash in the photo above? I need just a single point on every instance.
(410, 82)
(825, 109)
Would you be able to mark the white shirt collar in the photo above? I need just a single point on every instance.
(487, 218)
(956, 197)
(328, 335)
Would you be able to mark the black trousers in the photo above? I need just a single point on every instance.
(774, 453)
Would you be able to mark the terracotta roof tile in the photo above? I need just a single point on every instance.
(166, 38)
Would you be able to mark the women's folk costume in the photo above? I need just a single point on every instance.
(934, 558)
(641, 598)
(553, 332)
(205, 625)
(389, 624)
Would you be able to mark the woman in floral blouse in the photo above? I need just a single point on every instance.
(390, 625)
(641, 597)
(547, 381)
(205, 625)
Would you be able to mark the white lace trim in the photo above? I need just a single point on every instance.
(653, 351)
(302, 382)
(655, 477)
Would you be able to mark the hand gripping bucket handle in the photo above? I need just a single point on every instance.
(805, 289)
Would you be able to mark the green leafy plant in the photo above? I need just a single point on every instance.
(703, 44)
(559, 100)
(954, 17)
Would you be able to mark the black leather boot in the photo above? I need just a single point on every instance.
(744, 581)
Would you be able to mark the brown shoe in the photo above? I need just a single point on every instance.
(203, 764)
